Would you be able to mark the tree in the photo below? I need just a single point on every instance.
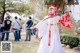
(59, 3)
(8, 5)
(4, 6)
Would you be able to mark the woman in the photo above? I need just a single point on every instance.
(49, 31)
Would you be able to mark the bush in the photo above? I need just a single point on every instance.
(71, 41)
(79, 44)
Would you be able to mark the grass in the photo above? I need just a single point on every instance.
(24, 46)
(31, 47)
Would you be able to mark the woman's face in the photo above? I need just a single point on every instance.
(51, 11)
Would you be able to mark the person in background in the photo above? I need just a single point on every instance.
(16, 24)
(1, 28)
(20, 29)
(29, 24)
(33, 30)
(7, 25)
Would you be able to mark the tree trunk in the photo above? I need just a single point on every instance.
(3, 15)
(4, 11)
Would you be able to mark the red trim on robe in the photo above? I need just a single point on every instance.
(49, 38)
(49, 41)
(66, 21)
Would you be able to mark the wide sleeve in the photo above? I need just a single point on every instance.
(41, 28)
(66, 21)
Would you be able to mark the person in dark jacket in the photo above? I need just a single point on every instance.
(29, 24)
(20, 28)
(7, 25)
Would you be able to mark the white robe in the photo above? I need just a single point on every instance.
(43, 31)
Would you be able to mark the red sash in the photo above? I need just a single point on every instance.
(49, 41)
